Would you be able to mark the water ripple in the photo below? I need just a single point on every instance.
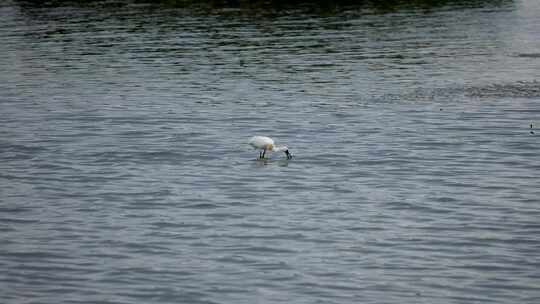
(126, 178)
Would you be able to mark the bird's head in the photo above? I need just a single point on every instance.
(284, 149)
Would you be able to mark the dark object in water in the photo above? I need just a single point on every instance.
(532, 132)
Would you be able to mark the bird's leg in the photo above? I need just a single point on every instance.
(260, 155)
(264, 152)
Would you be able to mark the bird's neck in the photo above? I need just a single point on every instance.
(279, 148)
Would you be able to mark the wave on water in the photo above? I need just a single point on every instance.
(519, 89)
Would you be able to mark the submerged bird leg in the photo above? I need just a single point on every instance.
(260, 155)
(264, 152)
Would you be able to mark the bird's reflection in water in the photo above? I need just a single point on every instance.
(267, 161)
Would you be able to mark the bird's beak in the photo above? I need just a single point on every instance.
(289, 155)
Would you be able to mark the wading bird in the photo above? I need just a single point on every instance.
(266, 144)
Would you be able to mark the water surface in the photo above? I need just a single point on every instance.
(125, 174)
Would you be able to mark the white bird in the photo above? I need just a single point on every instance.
(265, 144)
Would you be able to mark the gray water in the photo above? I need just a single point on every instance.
(125, 174)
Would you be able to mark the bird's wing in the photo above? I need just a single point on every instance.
(259, 142)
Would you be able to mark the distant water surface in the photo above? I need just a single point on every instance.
(125, 174)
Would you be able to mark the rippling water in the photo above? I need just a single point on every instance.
(125, 175)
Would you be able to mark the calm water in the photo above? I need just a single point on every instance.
(125, 174)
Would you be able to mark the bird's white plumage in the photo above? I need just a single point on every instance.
(266, 144)
(261, 142)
